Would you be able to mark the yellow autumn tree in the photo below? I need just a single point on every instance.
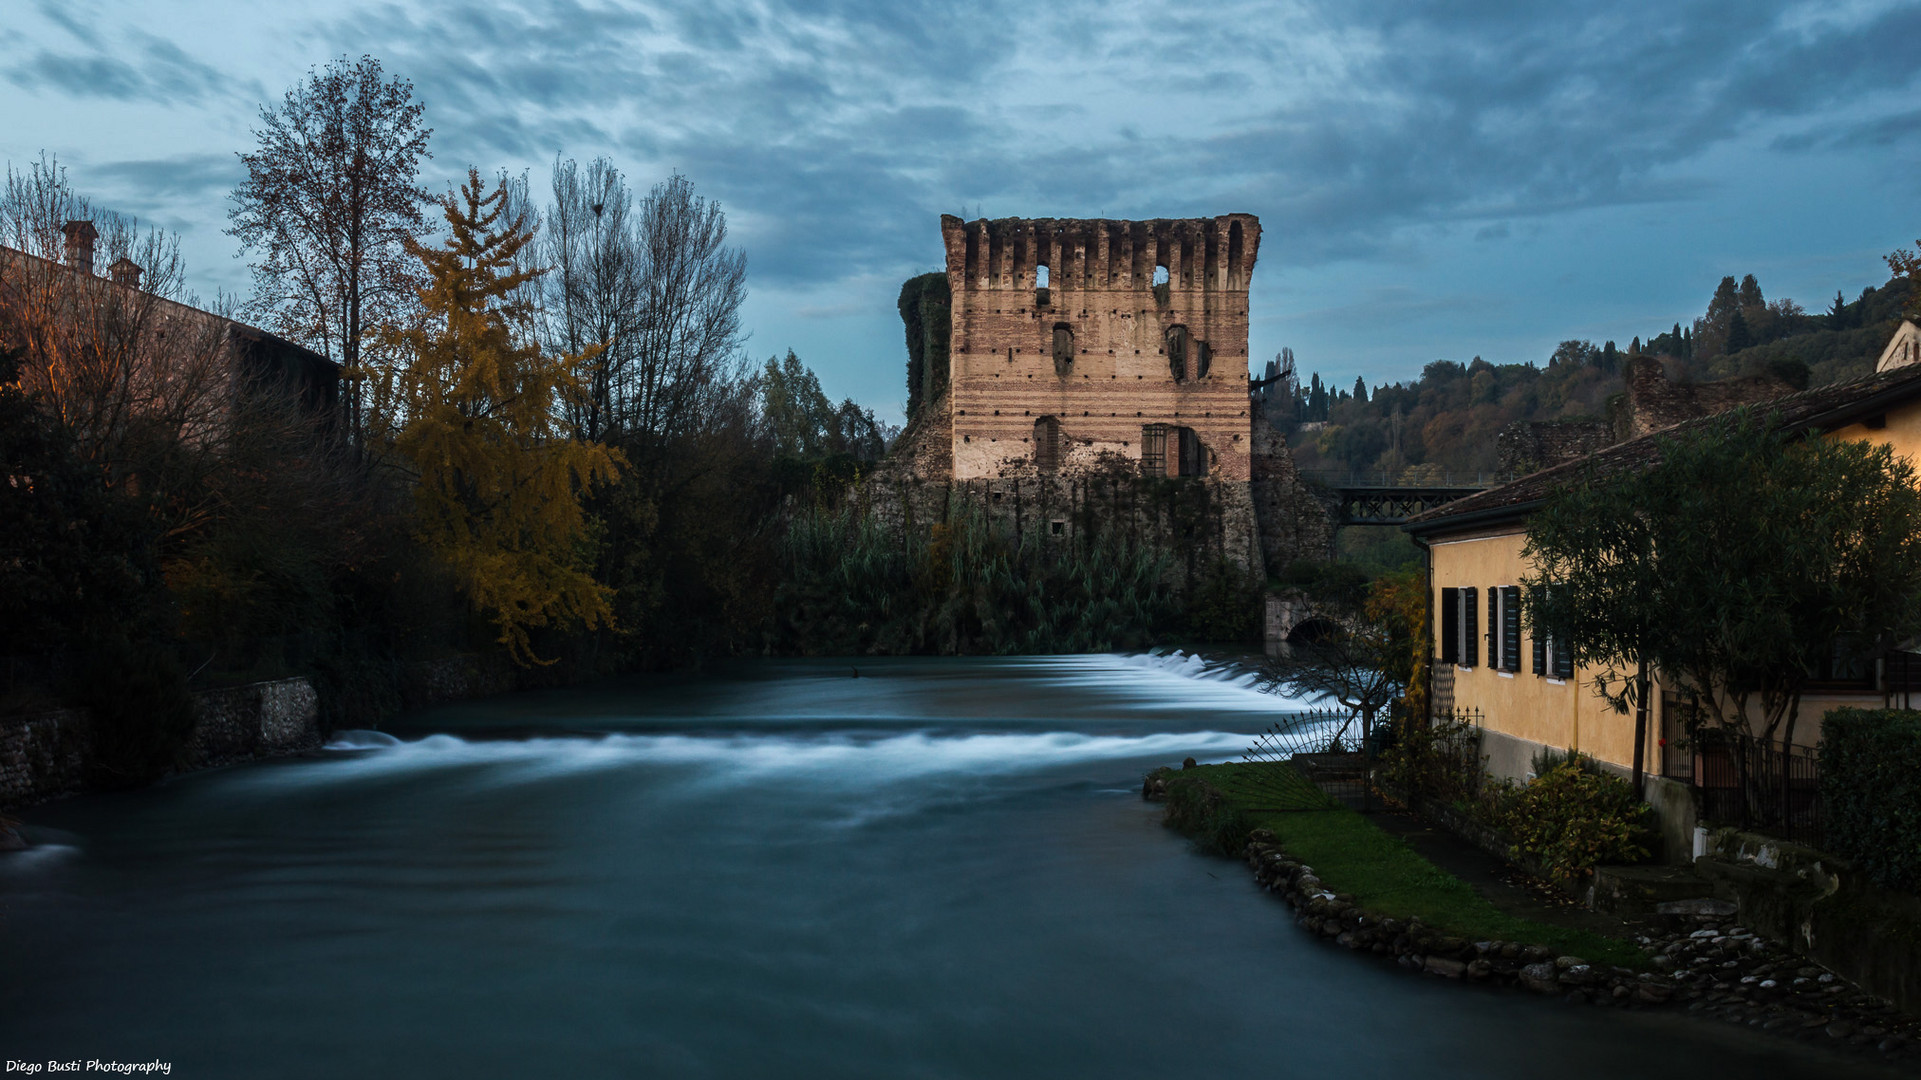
(477, 410)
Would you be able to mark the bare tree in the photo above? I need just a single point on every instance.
(653, 282)
(124, 363)
(689, 342)
(330, 197)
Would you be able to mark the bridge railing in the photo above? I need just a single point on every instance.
(1337, 478)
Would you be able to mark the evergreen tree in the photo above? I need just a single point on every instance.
(1317, 399)
(1838, 314)
(476, 412)
(1611, 357)
(1751, 299)
(1738, 337)
(1360, 389)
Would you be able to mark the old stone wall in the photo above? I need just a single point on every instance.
(50, 754)
(1653, 402)
(1069, 376)
(44, 755)
(1202, 520)
(1528, 446)
(1294, 521)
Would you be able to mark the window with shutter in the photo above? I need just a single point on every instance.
(1539, 639)
(1563, 661)
(1471, 627)
(1510, 628)
(1494, 627)
(1449, 625)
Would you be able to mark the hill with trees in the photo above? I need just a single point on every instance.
(1441, 427)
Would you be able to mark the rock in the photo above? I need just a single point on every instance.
(11, 840)
(1187, 763)
(1447, 969)
(1480, 969)
(1840, 1029)
(1650, 994)
(1563, 963)
(1704, 906)
(1540, 978)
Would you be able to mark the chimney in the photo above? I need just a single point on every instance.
(80, 238)
(125, 271)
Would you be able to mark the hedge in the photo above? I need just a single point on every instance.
(1871, 792)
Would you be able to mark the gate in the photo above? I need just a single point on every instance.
(1313, 760)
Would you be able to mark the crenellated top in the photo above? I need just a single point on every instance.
(1211, 254)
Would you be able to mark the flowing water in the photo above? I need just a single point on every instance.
(784, 869)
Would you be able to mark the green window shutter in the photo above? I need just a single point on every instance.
(1494, 627)
(1540, 635)
(1563, 661)
(1511, 628)
(1471, 627)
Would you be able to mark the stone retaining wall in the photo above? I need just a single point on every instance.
(50, 754)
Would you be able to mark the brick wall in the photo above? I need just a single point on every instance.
(1117, 375)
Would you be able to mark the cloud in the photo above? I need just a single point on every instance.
(137, 67)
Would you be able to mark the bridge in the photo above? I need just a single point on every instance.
(1388, 505)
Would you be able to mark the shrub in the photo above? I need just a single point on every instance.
(1438, 760)
(142, 713)
(1200, 810)
(1871, 791)
(1572, 818)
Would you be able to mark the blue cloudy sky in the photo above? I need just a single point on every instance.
(1436, 180)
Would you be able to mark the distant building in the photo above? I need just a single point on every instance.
(126, 351)
(1088, 360)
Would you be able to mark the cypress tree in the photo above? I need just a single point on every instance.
(1738, 336)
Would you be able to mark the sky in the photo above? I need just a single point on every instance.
(1434, 180)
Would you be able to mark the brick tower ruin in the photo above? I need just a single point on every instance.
(1092, 346)
(1095, 378)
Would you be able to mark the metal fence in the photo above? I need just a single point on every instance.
(1317, 759)
(1758, 785)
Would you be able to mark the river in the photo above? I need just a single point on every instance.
(888, 869)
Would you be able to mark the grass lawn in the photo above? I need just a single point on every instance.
(1385, 876)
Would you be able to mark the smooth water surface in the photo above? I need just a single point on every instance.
(786, 869)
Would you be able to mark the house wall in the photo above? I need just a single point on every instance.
(1004, 375)
(1521, 712)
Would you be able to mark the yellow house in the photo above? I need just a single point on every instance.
(1527, 696)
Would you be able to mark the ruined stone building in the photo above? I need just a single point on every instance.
(1089, 361)
(1080, 343)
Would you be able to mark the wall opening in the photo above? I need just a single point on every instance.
(1063, 349)
(1236, 248)
(1047, 444)
(1154, 450)
(1177, 352)
(1193, 456)
(973, 257)
(1040, 276)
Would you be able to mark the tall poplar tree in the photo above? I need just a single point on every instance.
(480, 413)
(329, 203)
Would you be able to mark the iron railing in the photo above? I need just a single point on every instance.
(1758, 784)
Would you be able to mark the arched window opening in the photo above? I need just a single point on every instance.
(1040, 276)
(1047, 444)
(1203, 356)
(1063, 349)
(1160, 273)
(1043, 296)
(1177, 352)
(1161, 285)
